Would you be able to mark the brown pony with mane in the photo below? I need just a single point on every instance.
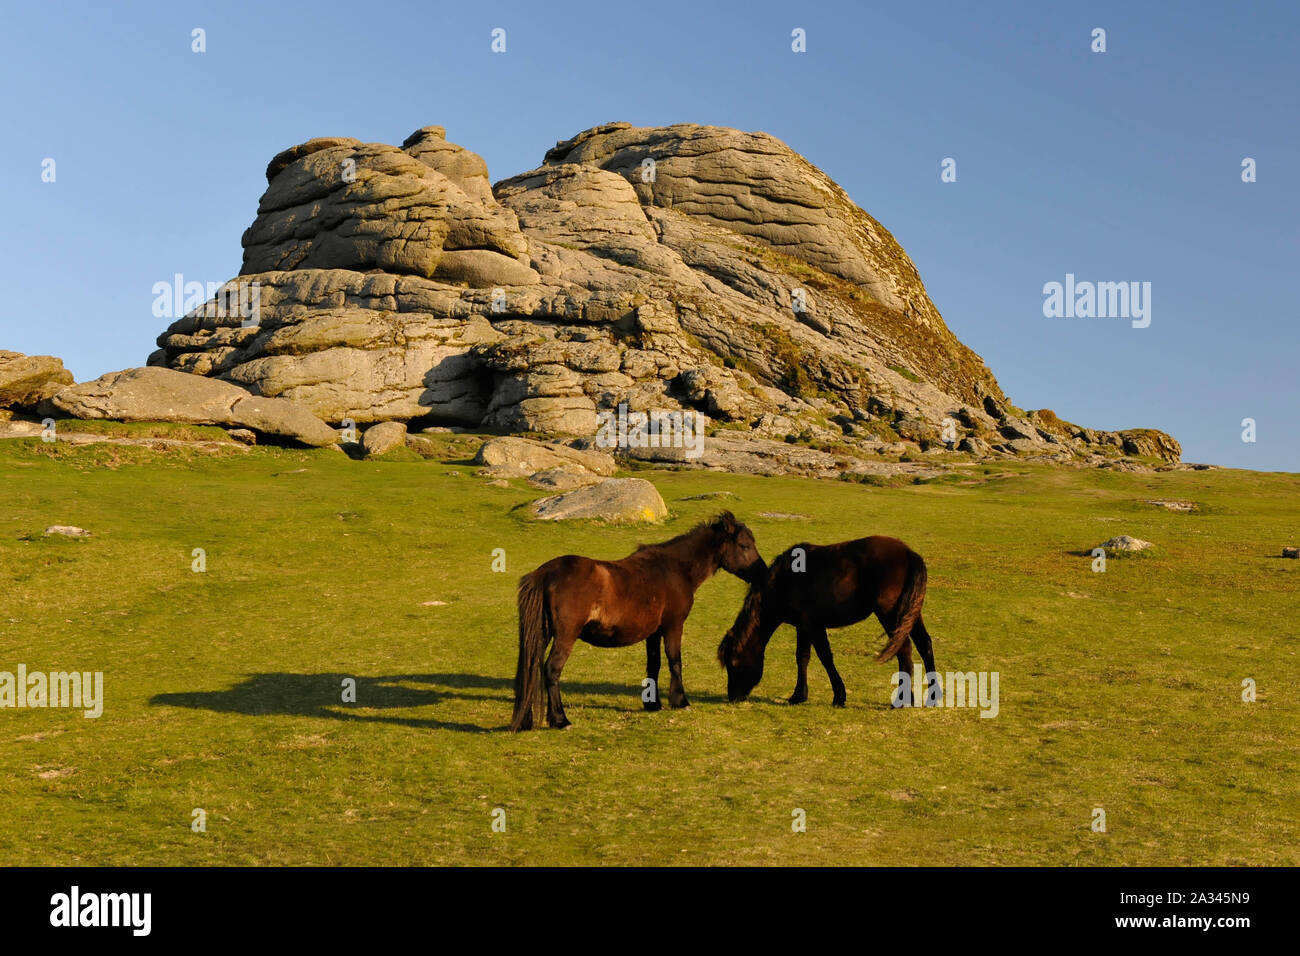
(643, 597)
(814, 587)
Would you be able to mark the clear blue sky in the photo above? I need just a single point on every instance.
(1122, 166)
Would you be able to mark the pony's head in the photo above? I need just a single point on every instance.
(737, 552)
(741, 650)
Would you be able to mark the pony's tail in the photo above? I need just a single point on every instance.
(533, 637)
(908, 608)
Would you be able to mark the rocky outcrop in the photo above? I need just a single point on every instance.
(1149, 443)
(27, 380)
(164, 395)
(677, 269)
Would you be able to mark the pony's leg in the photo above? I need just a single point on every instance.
(652, 670)
(673, 648)
(822, 646)
(921, 638)
(802, 650)
(560, 651)
(905, 668)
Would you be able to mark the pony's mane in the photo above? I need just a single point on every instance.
(747, 619)
(720, 519)
(741, 633)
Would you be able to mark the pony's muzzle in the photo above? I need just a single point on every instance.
(741, 681)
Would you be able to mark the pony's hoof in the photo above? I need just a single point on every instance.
(798, 699)
(838, 702)
(652, 705)
(682, 705)
(563, 724)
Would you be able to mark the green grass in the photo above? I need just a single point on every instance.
(1119, 690)
(907, 373)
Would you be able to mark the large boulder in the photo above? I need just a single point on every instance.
(382, 438)
(27, 380)
(562, 479)
(614, 499)
(519, 457)
(164, 395)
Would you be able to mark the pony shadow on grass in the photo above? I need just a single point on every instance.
(321, 695)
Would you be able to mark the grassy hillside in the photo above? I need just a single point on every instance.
(1119, 690)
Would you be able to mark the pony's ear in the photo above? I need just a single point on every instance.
(727, 522)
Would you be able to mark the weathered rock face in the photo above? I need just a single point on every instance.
(26, 380)
(341, 204)
(163, 395)
(756, 186)
(680, 268)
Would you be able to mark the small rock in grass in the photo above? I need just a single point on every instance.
(67, 530)
(1125, 542)
(422, 446)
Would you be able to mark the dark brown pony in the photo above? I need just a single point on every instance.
(815, 587)
(646, 595)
